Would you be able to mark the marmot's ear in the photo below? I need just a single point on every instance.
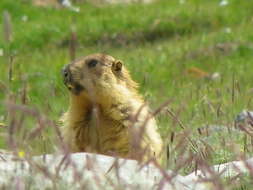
(117, 65)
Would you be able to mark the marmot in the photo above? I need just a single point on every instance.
(106, 113)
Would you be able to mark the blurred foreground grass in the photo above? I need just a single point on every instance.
(163, 44)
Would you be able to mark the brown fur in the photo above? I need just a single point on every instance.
(45, 3)
(106, 113)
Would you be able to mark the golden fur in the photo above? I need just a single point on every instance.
(106, 113)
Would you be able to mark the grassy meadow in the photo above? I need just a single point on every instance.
(171, 48)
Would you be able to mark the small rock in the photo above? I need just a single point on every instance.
(67, 4)
(243, 116)
(223, 3)
(181, 1)
(56, 4)
(227, 30)
(1, 52)
(24, 18)
(215, 76)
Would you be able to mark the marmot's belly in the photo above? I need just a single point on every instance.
(110, 138)
(115, 142)
(114, 138)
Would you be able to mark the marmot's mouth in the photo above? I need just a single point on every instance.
(69, 86)
(72, 86)
(75, 88)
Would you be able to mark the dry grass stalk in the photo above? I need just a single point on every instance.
(72, 45)
(7, 27)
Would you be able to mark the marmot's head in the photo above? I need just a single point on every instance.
(96, 73)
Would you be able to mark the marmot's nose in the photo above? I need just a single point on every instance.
(65, 71)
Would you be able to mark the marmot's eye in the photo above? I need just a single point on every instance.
(92, 63)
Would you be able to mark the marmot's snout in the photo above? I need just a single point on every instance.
(67, 76)
(73, 86)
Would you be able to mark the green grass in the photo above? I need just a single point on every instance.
(158, 42)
